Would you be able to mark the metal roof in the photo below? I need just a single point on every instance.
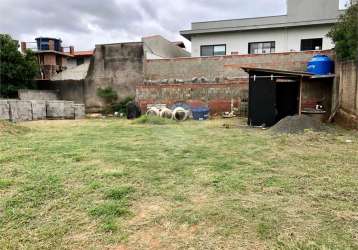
(278, 72)
(287, 73)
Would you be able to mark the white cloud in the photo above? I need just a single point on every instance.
(84, 23)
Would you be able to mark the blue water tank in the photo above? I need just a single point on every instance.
(320, 65)
(201, 113)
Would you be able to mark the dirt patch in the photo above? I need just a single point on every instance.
(296, 124)
(11, 128)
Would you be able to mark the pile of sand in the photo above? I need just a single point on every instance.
(296, 124)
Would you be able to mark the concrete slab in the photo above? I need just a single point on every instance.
(4, 110)
(55, 109)
(69, 110)
(80, 112)
(20, 110)
(38, 110)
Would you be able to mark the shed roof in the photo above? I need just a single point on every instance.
(288, 73)
(278, 72)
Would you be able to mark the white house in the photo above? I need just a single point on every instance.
(304, 27)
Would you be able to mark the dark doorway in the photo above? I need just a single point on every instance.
(262, 100)
(287, 98)
(272, 98)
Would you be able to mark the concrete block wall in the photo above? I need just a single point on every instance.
(79, 110)
(69, 110)
(27, 94)
(20, 110)
(55, 109)
(4, 110)
(213, 81)
(38, 110)
(225, 66)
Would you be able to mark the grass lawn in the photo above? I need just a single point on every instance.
(112, 184)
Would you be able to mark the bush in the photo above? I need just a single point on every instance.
(107, 94)
(121, 107)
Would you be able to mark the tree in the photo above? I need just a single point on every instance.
(345, 34)
(17, 71)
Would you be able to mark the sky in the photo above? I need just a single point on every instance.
(84, 23)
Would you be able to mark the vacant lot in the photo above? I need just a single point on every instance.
(112, 184)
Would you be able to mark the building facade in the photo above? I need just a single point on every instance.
(53, 58)
(304, 27)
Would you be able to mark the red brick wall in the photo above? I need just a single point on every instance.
(171, 80)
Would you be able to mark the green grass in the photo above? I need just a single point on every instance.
(116, 184)
(153, 120)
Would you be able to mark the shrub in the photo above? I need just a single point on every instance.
(109, 96)
(121, 107)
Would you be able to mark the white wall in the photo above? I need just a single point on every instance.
(286, 39)
(72, 62)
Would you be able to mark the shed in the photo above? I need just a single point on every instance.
(275, 94)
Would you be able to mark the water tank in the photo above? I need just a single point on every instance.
(320, 65)
(201, 113)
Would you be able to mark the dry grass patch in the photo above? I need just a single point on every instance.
(113, 184)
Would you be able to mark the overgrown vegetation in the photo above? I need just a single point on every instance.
(345, 34)
(121, 107)
(112, 184)
(110, 97)
(17, 71)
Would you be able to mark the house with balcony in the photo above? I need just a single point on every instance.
(304, 27)
(55, 58)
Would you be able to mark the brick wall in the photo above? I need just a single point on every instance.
(212, 81)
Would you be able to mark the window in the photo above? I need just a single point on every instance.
(213, 50)
(262, 47)
(311, 44)
(80, 61)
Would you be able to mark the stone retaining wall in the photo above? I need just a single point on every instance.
(19, 110)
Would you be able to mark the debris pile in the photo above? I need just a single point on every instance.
(296, 124)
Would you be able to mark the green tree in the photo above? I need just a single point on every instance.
(17, 71)
(345, 34)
